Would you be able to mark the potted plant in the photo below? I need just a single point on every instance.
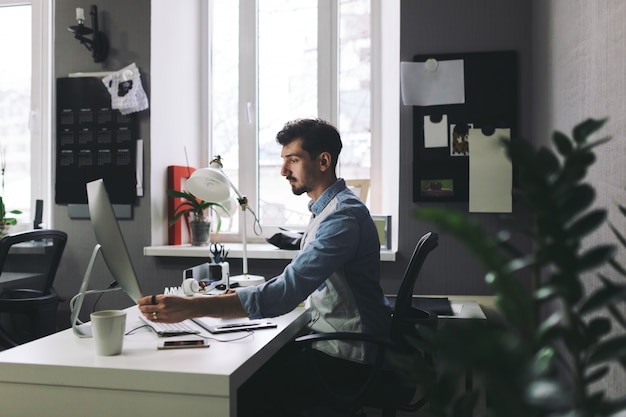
(556, 341)
(199, 218)
(6, 222)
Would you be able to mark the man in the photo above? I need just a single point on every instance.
(337, 271)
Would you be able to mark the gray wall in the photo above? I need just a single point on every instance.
(452, 26)
(127, 24)
(426, 27)
(579, 53)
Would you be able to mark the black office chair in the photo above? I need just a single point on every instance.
(393, 385)
(28, 301)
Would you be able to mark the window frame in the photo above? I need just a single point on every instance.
(40, 117)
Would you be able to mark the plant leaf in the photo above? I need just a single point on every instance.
(583, 130)
(617, 266)
(563, 143)
(543, 361)
(608, 294)
(547, 392)
(586, 224)
(606, 350)
(569, 204)
(618, 234)
(595, 257)
(596, 374)
(617, 315)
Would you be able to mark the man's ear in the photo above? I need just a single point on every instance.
(325, 160)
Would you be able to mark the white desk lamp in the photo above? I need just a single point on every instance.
(211, 184)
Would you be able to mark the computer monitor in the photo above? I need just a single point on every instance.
(113, 247)
(109, 236)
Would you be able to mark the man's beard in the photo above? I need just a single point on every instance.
(299, 190)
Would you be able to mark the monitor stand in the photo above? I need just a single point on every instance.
(84, 329)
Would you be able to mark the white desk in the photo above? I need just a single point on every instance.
(15, 277)
(465, 309)
(61, 375)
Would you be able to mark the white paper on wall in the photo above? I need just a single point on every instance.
(422, 86)
(490, 172)
(435, 132)
(127, 93)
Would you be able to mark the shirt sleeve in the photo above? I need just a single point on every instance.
(335, 242)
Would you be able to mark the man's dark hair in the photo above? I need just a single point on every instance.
(317, 136)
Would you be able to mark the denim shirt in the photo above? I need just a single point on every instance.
(337, 272)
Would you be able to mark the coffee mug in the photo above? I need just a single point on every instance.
(108, 328)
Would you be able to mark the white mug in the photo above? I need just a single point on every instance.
(108, 328)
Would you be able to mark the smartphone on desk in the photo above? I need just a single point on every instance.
(183, 344)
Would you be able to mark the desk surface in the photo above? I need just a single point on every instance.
(61, 372)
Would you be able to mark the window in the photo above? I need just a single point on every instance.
(296, 58)
(257, 64)
(24, 107)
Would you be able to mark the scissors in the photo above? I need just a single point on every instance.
(217, 249)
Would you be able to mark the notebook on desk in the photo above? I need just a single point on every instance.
(233, 325)
(216, 326)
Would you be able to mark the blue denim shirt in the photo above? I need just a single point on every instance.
(337, 271)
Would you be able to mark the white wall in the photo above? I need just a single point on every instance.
(177, 62)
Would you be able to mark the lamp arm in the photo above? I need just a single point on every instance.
(239, 195)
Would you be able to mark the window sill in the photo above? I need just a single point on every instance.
(235, 250)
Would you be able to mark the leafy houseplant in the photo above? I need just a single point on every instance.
(555, 342)
(198, 212)
(5, 221)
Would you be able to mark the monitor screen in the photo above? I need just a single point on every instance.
(109, 236)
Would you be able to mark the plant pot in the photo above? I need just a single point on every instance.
(5, 229)
(200, 230)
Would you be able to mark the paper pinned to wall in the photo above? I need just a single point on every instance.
(422, 86)
(490, 173)
(435, 132)
(127, 93)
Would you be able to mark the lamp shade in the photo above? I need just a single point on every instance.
(209, 184)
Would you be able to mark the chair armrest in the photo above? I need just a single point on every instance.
(361, 337)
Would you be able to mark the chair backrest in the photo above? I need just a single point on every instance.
(33, 257)
(403, 304)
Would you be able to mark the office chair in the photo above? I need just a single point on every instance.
(28, 301)
(391, 390)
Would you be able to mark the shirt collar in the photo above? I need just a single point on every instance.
(316, 207)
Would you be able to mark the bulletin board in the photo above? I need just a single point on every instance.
(93, 141)
(484, 109)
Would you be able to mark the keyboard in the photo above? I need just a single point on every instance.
(172, 329)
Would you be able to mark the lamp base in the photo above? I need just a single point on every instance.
(246, 280)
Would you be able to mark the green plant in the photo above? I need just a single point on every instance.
(3, 214)
(191, 204)
(556, 341)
